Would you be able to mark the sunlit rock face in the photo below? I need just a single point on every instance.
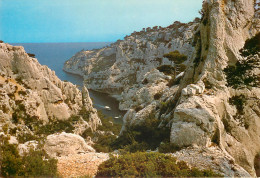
(206, 117)
(31, 90)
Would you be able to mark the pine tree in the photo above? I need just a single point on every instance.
(243, 73)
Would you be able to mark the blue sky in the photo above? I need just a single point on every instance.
(87, 20)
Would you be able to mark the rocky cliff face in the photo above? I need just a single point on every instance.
(32, 93)
(208, 114)
(122, 67)
(199, 110)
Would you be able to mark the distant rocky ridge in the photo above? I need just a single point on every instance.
(203, 121)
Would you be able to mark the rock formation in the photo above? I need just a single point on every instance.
(66, 144)
(26, 85)
(199, 110)
(121, 68)
(33, 101)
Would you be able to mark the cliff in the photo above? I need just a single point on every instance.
(33, 98)
(203, 113)
(201, 109)
(121, 68)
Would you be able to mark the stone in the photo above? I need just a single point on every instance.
(65, 144)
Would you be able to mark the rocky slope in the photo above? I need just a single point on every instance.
(35, 106)
(25, 84)
(203, 120)
(121, 68)
(199, 110)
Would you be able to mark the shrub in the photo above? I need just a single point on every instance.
(31, 55)
(11, 162)
(22, 93)
(167, 148)
(143, 164)
(37, 163)
(34, 163)
(242, 73)
(108, 124)
(166, 69)
(145, 136)
(239, 102)
(138, 108)
(174, 81)
(55, 126)
(178, 59)
(158, 95)
(104, 141)
(145, 81)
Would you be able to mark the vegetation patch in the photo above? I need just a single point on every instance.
(167, 147)
(32, 164)
(166, 69)
(178, 59)
(103, 141)
(242, 74)
(31, 55)
(142, 137)
(142, 164)
(158, 95)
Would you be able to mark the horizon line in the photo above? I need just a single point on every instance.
(59, 42)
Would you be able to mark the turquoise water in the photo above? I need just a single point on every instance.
(55, 54)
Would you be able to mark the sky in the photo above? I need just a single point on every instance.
(32, 21)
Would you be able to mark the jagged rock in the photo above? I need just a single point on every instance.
(66, 144)
(25, 148)
(211, 158)
(27, 86)
(207, 113)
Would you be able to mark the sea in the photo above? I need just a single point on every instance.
(55, 54)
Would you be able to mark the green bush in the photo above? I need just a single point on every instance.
(242, 73)
(176, 57)
(34, 163)
(143, 164)
(22, 93)
(37, 163)
(31, 55)
(142, 137)
(166, 69)
(108, 124)
(104, 142)
(167, 147)
(55, 126)
(158, 95)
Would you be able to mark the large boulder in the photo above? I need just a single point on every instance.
(66, 144)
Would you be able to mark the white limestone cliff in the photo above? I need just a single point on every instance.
(30, 90)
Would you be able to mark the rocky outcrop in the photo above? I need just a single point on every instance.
(66, 144)
(121, 68)
(30, 90)
(211, 158)
(208, 114)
